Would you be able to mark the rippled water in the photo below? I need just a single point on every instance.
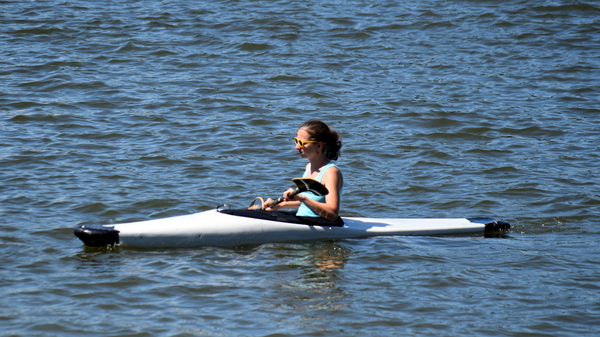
(129, 110)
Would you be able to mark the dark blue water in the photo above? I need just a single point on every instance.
(130, 110)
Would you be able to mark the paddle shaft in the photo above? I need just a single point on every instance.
(280, 199)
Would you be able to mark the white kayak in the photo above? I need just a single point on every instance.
(221, 228)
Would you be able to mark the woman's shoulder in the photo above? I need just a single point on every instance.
(333, 169)
(333, 166)
(333, 177)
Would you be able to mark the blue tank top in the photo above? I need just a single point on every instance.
(303, 210)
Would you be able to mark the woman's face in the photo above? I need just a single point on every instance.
(309, 148)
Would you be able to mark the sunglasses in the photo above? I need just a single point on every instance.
(301, 142)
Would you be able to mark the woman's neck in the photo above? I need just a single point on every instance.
(317, 163)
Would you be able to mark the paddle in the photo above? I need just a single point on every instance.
(304, 185)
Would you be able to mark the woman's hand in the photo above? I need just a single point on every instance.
(269, 208)
(288, 202)
(287, 197)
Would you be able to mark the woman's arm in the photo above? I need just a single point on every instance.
(283, 204)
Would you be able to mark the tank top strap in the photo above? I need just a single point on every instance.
(322, 173)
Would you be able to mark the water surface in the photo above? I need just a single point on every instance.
(132, 110)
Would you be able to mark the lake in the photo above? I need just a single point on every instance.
(122, 111)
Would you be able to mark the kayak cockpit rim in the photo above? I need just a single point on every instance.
(283, 216)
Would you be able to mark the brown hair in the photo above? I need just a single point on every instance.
(323, 133)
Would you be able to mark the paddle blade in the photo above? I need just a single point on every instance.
(310, 185)
(304, 185)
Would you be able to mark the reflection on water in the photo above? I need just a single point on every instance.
(315, 287)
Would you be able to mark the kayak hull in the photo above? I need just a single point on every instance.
(213, 228)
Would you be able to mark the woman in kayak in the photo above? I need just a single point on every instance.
(318, 143)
